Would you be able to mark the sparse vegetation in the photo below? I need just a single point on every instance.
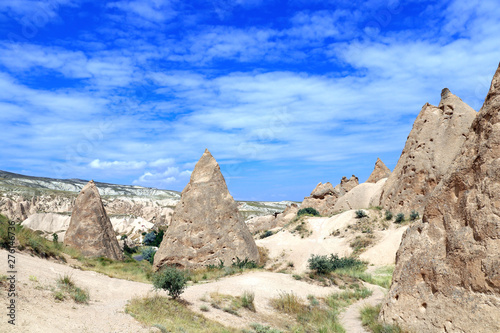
(414, 215)
(245, 263)
(325, 264)
(360, 214)
(399, 218)
(309, 211)
(231, 304)
(247, 300)
(128, 269)
(320, 315)
(173, 315)
(266, 234)
(346, 298)
(369, 319)
(360, 243)
(382, 276)
(171, 280)
(258, 328)
(67, 287)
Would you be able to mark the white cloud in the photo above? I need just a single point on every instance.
(162, 162)
(97, 164)
(163, 179)
(147, 10)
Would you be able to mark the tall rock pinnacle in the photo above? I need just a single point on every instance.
(432, 145)
(206, 226)
(90, 229)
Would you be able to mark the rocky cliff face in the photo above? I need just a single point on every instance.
(90, 229)
(447, 275)
(434, 141)
(206, 226)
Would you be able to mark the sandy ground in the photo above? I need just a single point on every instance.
(37, 311)
(285, 246)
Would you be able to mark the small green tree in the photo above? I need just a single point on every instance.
(388, 215)
(308, 211)
(414, 215)
(360, 214)
(171, 280)
(399, 218)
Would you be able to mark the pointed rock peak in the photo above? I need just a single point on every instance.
(206, 169)
(451, 104)
(90, 229)
(206, 226)
(379, 172)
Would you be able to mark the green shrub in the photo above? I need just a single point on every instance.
(399, 218)
(67, 285)
(414, 215)
(245, 263)
(360, 214)
(247, 300)
(266, 234)
(171, 280)
(308, 211)
(325, 264)
(148, 254)
(55, 237)
(388, 215)
(153, 238)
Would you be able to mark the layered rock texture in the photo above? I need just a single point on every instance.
(324, 196)
(90, 229)
(435, 139)
(379, 172)
(447, 275)
(206, 226)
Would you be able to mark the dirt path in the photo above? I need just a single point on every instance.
(350, 318)
(38, 311)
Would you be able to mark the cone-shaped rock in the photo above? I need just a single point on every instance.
(90, 229)
(447, 275)
(379, 172)
(206, 225)
(435, 139)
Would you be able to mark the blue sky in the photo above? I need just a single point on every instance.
(285, 94)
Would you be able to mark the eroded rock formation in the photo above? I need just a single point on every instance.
(447, 275)
(434, 141)
(206, 226)
(90, 229)
(379, 172)
(324, 196)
